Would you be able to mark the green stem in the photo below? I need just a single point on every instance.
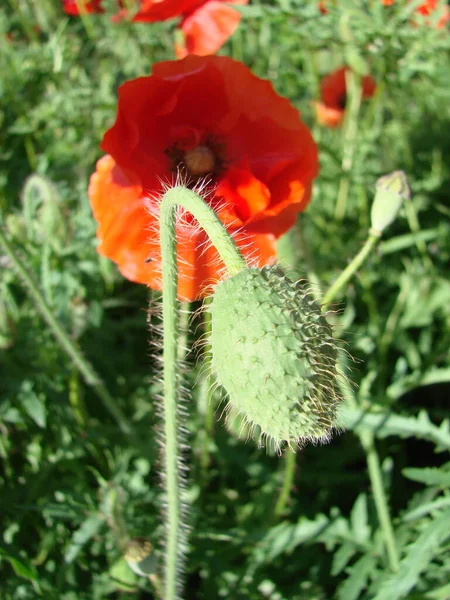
(351, 269)
(366, 439)
(288, 480)
(414, 225)
(353, 85)
(234, 262)
(373, 464)
(62, 337)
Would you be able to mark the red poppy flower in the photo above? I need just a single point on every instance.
(210, 117)
(206, 24)
(151, 11)
(208, 27)
(77, 7)
(428, 8)
(331, 110)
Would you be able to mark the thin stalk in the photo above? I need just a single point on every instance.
(62, 337)
(366, 439)
(373, 465)
(353, 85)
(351, 268)
(414, 225)
(288, 480)
(86, 19)
(234, 262)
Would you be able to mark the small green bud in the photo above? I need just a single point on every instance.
(391, 191)
(140, 557)
(272, 350)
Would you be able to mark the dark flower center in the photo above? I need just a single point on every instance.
(342, 101)
(206, 158)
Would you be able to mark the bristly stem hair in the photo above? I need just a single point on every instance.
(173, 468)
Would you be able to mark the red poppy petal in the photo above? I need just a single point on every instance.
(248, 194)
(333, 88)
(124, 223)
(368, 86)
(82, 7)
(209, 27)
(265, 159)
(330, 117)
(151, 11)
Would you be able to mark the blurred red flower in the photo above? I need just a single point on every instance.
(333, 90)
(206, 24)
(428, 8)
(208, 27)
(77, 7)
(208, 117)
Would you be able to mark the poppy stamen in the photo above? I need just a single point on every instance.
(200, 161)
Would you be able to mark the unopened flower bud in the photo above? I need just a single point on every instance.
(273, 352)
(391, 191)
(140, 557)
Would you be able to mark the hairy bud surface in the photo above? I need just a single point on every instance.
(273, 352)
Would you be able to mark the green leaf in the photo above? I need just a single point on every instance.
(358, 519)
(88, 529)
(384, 424)
(285, 537)
(436, 477)
(352, 587)
(416, 380)
(33, 404)
(123, 577)
(418, 557)
(401, 242)
(342, 557)
(22, 567)
(427, 508)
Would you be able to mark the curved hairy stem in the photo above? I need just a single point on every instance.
(234, 262)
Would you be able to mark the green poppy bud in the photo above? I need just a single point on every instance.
(272, 350)
(391, 191)
(140, 557)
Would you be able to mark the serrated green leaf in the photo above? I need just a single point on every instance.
(88, 529)
(417, 380)
(342, 557)
(352, 587)
(427, 508)
(358, 519)
(34, 406)
(418, 556)
(430, 476)
(384, 424)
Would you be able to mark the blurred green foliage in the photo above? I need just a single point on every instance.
(73, 487)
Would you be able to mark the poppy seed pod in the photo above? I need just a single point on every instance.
(273, 352)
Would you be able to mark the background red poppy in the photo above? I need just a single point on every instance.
(333, 90)
(72, 7)
(209, 116)
(206, 24)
